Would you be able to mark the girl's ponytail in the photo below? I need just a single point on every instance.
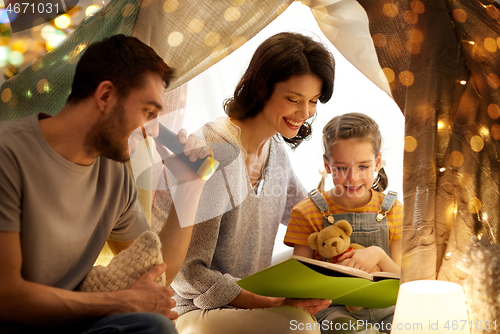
(381, 182)
(321, 185)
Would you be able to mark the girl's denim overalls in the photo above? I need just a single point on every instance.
(369, 229)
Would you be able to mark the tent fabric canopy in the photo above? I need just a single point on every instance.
(438, 59)
(46, 84)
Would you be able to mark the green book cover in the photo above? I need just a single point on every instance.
(294, 279)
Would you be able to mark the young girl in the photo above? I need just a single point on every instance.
(352, 155)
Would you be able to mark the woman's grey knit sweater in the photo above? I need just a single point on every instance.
(237, 237)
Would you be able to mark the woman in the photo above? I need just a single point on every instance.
(256, 190)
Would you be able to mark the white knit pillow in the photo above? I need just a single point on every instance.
(126, 267)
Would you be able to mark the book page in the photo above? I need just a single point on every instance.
(336, 270)
(381, 275)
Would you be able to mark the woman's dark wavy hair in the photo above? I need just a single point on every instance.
(276, 60)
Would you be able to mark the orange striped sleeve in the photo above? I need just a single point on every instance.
(395, 221)
(304, 220)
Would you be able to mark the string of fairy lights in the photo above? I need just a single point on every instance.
(21, 49)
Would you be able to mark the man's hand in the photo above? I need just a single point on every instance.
(148, 296)
(312, 306)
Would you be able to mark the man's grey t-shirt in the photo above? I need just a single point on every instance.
(64, 212)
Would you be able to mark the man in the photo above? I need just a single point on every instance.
(64, 191)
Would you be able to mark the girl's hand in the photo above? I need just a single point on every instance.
(365, 259)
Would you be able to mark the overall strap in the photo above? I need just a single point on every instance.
(387, 204)
(322, 206)
(318, 200)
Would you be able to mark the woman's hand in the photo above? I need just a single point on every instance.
(193, 148)
(249, 300)
(312, 306)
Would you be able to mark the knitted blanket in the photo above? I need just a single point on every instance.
(126, 267)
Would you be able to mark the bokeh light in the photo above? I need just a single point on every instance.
(417, 6)
(390, 9)
(495, 131)
(232, 14)
(195, 26)
(62, 21)
(493, 80)
(175, 38)
(476, 143)
(43, 86)
(406, 78)
(4, 40)
(91, 10)
(490, 44)
(388, 74)
(485, 133)
(379, 40)
(456, 158)
(410, 17)
(410, 144)
(20, 46)
(474, 205)
(6, 95)
(4, 55)
(212, 38)
(413, 46)
(55, 40)
(4, 18)
(48, 31)
(460, 15)
(493, 110)
(16, 58)
(170, 6)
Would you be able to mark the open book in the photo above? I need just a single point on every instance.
(300, 277)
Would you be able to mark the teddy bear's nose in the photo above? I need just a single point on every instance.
(334, 244)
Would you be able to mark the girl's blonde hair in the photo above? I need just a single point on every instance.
(355, 125)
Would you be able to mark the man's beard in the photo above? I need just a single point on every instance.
(108, 136)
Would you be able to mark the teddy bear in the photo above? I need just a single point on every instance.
(333, 241)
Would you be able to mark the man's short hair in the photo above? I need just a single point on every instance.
(121, 59)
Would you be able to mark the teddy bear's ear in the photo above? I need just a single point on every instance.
(311, 240)
(344, 225)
